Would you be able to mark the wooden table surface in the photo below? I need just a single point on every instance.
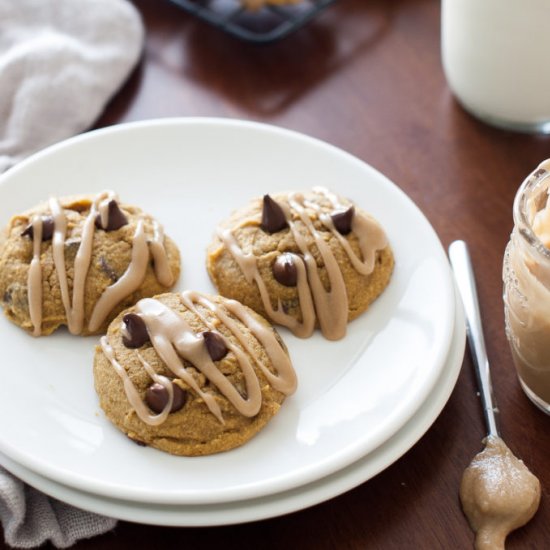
(365, 76)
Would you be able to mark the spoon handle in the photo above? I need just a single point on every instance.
(464, 276)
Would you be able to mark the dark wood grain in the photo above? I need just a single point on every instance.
(367, 77)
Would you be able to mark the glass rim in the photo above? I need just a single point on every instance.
(535, 179)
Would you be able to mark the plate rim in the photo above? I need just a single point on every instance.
(284, 502)
(242, 492)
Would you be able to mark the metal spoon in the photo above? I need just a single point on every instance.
(464, 276)
(498, 492)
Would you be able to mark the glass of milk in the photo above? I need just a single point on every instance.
(496, 57)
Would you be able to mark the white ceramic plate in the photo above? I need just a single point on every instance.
(279, 503)
(354, 394)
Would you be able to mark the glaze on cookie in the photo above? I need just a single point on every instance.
(191, 374)
(79, 261)
(302, 260)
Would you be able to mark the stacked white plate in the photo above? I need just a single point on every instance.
(362, 402)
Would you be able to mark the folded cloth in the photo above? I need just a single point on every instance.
(60, 62)
(30, 518)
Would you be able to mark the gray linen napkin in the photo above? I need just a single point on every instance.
(30, 518)
(60, 62)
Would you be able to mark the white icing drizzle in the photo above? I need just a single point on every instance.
(34, 282)
(370, 235)
(74, 309)
(248, 265)
(165, 327)
(174, 341)
(163, 272)
(143, 412)
(285, 380)
(330, 306)
(104, 209)
(130, 281)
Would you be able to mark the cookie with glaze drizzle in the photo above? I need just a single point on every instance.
(78, 261)
(303, 260)
(191, 374)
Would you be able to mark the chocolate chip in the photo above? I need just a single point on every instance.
(342, 220)
(215, 345)
(135, 333)
(137, 442)
(107, 269)
(48, 226)
(273, 217)
(284, 270)
(156, 397)
(115, 218)
(7, 296)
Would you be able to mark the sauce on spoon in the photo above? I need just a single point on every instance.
(498, 494)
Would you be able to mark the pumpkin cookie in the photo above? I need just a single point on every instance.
(191, 374)
(79, 261)
(302, 260)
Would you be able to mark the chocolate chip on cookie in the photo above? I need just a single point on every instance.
(284, 270)
(215, 345)
(115, 218)
(342, 220)
(157, 397)
(273, 216)
(134, 331)
(48, 227)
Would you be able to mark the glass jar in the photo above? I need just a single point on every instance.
(495, 57)
(526, 275)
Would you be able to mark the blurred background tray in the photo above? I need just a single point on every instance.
(266, 24)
